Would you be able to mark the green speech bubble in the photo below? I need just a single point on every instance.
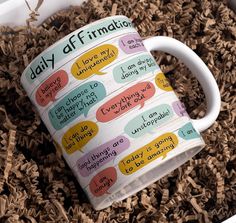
(76, 103)
(188, 132)
(148, 120)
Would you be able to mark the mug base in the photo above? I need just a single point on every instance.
(149, 177)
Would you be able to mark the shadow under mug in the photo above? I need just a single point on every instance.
(111, 110)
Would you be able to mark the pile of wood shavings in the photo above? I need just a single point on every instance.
(36, 185)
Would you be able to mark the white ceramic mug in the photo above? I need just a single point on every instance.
(110, 108)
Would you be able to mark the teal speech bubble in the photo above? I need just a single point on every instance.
(76, 103)
(134, 68)
(148, 120)
(188, 132)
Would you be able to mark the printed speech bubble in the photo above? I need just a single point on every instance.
(48, 90)
(101, 155)
(78, 136)
(179, 108)
(93, 61)
(125, 101)
(76, 103)
(162, 82)
(101, 182)
(134, 68)
(188, 132)
(159, 147)
(131, 43)
(148, 120)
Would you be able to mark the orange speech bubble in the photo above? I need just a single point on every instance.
(93, 61)
(162, 82)
(125, 101)
(48, 90)
(159, 147)
(101, 182)
(78, 136)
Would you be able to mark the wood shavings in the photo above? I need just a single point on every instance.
(33, 141)
(35, 183)
(114, 9)
(7, 122)
(196, 206)
(34, 13)
(7, 156)
(11, 146)
(61, 210)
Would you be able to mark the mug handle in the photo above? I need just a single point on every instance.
(200, 71)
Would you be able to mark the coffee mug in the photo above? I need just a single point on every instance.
(112, 111)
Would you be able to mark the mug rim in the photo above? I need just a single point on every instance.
(63, 38)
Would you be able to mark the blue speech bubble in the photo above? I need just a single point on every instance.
(148, 120)
(188, 132)
(76, 103)
(134, 68)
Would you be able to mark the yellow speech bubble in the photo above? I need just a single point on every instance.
(159, 147)
(78, 136)
(162, 82)
(93, 61)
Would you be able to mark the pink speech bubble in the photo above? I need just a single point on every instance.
(131, 43)
(125, 101)
(179, 108)
(101, 155)
(48, 89)
(101, 182)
